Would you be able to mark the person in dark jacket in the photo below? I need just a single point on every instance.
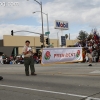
(1, 77)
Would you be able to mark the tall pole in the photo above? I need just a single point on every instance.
(42, 24)
(47, 23)
(57, 40)
(48, 28)
(40, 3)
(69, 36)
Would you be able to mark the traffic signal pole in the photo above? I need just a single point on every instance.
(42, 23)
(12, 33)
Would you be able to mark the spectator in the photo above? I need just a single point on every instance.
(1, 59)
(88, 54)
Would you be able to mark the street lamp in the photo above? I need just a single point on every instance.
(57, 40)
(47, 22)
(40, 3)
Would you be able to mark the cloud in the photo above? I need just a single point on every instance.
(12, 12)
(78, 12)
(71, 10)
(5, 29)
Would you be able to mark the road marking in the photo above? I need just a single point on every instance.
(96, 71)
(52, 92)
(89, 98)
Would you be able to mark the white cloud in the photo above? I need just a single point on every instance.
(74, 11)
(23, 9)
(5, 29)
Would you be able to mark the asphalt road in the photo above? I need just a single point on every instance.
(74, 81)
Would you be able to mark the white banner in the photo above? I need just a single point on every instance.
(55, 55)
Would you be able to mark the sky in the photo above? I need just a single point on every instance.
(18, 15)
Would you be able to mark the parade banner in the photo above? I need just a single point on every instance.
(59, 55)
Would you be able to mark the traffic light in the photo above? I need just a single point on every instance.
(41, 46)
(63, 40)
(12, 33)
(41, 38)
(47, 41)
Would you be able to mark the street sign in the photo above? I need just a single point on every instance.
(46, 33)
(63, 41)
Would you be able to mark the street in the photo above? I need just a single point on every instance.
(75, 81)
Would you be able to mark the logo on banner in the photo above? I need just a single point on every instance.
(78, 53)
(47, 55)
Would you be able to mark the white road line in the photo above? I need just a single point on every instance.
(96, 71)
(53, 92)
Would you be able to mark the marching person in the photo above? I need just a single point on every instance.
(28, 59)
(89, 55)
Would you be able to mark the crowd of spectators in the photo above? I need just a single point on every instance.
(17, 59)
(91, 46)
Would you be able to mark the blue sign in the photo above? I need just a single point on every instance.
(63, 41)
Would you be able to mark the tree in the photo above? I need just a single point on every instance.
(90, 36)
(82, 35)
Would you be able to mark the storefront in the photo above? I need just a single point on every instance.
(13, 45)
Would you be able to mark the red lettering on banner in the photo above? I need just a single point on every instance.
(55, 55)
(74, 54)
(64, 55)
(71, 54)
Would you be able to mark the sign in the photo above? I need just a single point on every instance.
(63, 41)
(47, 33)
(55, 55)
(63, 25)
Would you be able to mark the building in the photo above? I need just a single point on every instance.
(12, 45)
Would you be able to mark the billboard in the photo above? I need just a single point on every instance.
(63, 25)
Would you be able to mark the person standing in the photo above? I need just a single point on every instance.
(1, 59)
(88, 54)
(28, 59)
(1, 77)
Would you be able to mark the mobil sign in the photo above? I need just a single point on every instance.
(63, 25)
